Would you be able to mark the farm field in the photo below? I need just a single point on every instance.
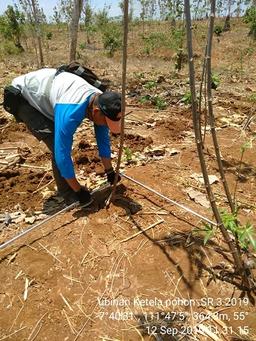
(138, 270)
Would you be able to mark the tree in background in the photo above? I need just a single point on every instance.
(35, 17)
(250, 18)
(112, 37)
(171, 10)
(65, 10)
(102, 18)
(110, 31)
(12, 25)
(88, 20)
(56, 18)
(131, 9)
(73, 29)
(144, 12)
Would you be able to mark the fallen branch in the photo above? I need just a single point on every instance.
(72, 279)
(153, 213)
(25, 295)
(140, 232)
(66, 302)
(73, 331)
(39, 189)
(32, 166)
(16, 331)
(50, 253)
(85, 323)
(29, 338)
(8, 148)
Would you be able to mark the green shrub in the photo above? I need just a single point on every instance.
(112, 38)
(187, 98)
(12, 26)
(9, 48)
(154, 40)
(145, 99)
(177, 38)
(172, 40)
(150, 85)
(215, 81)
(82, 46)
(218, 30)
(102, 18)
(49, 35)
(250, 18)
(128, 154)
(159, 102)
(252, 98)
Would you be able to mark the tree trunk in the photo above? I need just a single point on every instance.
(227, 24)
(77, 8)
(229, 7)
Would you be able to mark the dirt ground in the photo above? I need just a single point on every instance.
(137, 270)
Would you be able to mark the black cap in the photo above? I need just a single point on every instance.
(110, 104)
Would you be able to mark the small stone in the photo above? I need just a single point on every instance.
(42, 216)
(30, 220)
(19, 219)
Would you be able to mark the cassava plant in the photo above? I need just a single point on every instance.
(247, 145)
(245, 234)
(234, 248)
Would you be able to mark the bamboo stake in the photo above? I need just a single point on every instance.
(123, 104)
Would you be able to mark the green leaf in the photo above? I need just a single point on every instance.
(253, 241)
(208, 236)
(246, 145)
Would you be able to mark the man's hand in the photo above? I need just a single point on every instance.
(111, 176)
(84, 196)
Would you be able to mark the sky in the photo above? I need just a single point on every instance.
(48, 5)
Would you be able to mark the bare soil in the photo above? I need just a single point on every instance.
(102, 273)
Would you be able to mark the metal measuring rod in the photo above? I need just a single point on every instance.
(168, 199)
(65, 209)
